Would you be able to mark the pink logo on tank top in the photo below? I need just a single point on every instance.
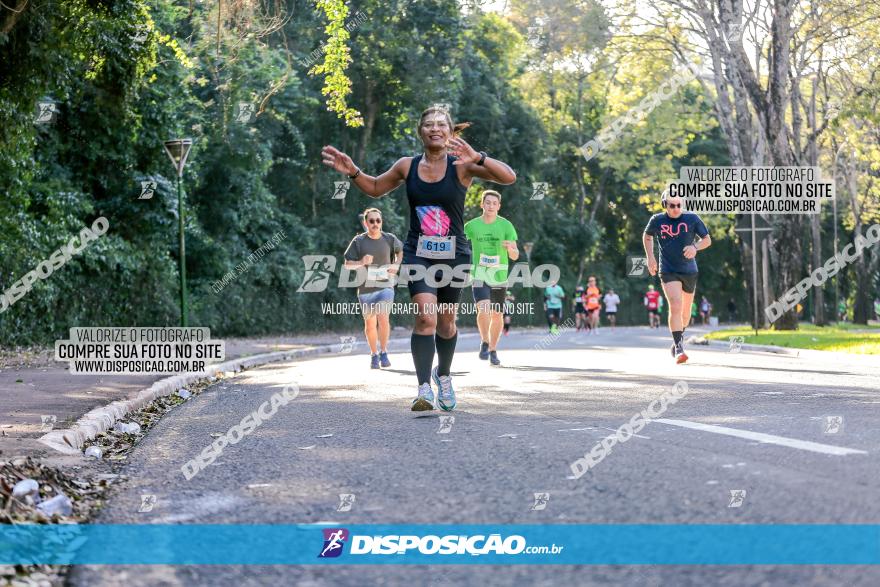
(434, 220)
(666, 229)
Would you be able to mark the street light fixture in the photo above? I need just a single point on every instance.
(177, 150)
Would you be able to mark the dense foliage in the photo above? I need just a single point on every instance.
(125, 75)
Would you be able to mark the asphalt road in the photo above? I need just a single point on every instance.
(515, 432)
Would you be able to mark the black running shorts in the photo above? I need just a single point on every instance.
(495, 295)
(446, 294)
(688, 280)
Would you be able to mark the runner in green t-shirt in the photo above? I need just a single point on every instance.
(493, 244)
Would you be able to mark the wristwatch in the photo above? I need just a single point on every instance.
(355, 175)
(482, 158)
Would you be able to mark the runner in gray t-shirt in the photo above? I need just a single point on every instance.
(379, 254)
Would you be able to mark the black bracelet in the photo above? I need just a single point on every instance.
(355, 175)
(482, 158)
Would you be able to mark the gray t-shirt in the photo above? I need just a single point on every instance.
(382, 249)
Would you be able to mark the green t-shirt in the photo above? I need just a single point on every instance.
(489, 260)
(554, 295)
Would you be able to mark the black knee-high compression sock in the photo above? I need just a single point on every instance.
(676, 336)
(445, 352)
(422, 348)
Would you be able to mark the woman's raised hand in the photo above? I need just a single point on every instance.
(465, 153)
(333, 157)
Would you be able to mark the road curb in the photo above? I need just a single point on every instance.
(779, 350)
(101, 419)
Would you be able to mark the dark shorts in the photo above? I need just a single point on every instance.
(593, 311)
(447, 294)
(495, 295)
(655, 311)
(554, 312)
(614, 313)
(579, 309)
(688, 280)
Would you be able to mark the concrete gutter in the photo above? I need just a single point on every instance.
(101, 419)
(764, 348)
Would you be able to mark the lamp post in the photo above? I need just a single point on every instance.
(177, 150)
(527, 247)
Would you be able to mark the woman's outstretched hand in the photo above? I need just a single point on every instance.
(333, 157)
(465, 153)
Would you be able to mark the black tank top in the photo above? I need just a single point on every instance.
(437, 208)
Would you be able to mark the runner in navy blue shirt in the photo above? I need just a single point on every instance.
(436, 183)
(680, 235)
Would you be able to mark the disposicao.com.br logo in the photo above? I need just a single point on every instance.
(335, 538)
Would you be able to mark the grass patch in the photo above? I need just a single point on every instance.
(847, 338)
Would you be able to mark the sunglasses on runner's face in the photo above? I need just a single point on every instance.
(673, 205)
(374, 221)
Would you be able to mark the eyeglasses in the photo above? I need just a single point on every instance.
(673, 205)
(374, 221)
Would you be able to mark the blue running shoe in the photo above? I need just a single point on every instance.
(383, 358)
(445, 393)
(374, 361)
(425, 400)
(484, 350)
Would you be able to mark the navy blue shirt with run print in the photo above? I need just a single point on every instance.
(673, 235)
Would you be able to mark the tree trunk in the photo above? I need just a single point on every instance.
(862, 302)
(812, 152)
(765, 268)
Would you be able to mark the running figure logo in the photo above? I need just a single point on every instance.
(636, 266)
(340, 189)
(736, 343)
(319, 268)
(46, 112)
(148, 188)
(140, 35)
(446, 423)
(541, 500)
(334, 539)
(346, 343)
(832, 424)
(47, 422)
(539, 190)
(147, 502)
(346, 501)
(737, 498)
(244, 112)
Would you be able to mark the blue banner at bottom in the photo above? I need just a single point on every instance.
(575, 544)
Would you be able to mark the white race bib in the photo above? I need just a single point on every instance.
(436, 247)
(490, 260)
(377, 274)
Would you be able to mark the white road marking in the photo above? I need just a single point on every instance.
(765, 438)
(634, 434)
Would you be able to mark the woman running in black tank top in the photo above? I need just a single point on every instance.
(436, 182)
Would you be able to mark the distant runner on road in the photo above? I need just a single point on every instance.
(680, 236)
(493, 244)
(380, 253)
(591, 301)
(553, 296)
(580, 311)
(653, 300)
(508, 311)
(611, 300)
